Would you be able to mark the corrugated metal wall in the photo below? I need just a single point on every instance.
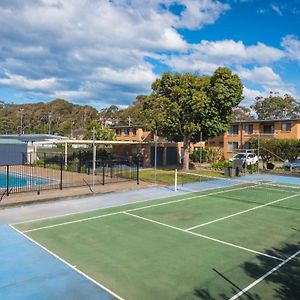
(12, 153)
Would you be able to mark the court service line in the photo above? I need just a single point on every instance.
(242, 212)
(243, 291)
(68, 264)
(134, 209)
(202, 236)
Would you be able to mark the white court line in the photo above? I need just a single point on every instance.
(68, 264)
(134, 209)
(243, 291)
(242, 212)
(202, 236)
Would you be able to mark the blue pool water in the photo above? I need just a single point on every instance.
(21, 180)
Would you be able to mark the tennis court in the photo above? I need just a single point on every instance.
(216, 239)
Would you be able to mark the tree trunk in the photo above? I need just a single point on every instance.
(186, 152)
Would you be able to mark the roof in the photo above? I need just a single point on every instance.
(32, 137)
(265, 121)
(126, 126)
(10, 141)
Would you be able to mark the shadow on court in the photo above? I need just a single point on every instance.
(282, 284)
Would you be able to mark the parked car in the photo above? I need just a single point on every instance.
(247, 158)
(295, 164)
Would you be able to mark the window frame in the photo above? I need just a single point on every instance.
(285, 124)
(231, 147)
(231, 130)
(247, 131)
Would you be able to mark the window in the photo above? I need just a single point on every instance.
(286, 126)
(233, 146)
(234, 129)
(118, 131)
(134, 131)
(249, 128)
(126, 131)
(268, 128)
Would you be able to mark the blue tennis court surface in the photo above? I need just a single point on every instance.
(29, 272)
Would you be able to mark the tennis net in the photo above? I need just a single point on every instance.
(260, 192)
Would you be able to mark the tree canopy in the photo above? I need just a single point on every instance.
(276, 107)
(101, 133)
(183, 105)
(242, 113)
(132, 115)
(58, 116)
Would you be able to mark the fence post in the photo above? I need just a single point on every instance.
(61, 174)
(44, 160)
(7, 180)
(103, 172)
(138, 171)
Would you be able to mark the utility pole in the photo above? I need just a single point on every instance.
(94, 156)
(21, 120)
(129, 121)
(200, 158)
(258, 146)
(49, 122)
(155, 154)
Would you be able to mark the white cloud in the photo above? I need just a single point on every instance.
(136, 76)
(277, 9)
(251, 94)
(261, 75)
(206, 56)
(291, 44)
(28, 84)
(198, 13)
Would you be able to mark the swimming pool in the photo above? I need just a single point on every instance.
(19, 180)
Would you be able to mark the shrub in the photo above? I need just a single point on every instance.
(222, 164)
(215, 154)
(195, 155)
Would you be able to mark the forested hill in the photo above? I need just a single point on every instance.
(58, 116)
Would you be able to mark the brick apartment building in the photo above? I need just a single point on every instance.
(168, 153)
(237, 138)
(240, 133)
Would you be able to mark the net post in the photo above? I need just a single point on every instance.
(175, 183)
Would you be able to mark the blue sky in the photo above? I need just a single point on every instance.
(101, 52)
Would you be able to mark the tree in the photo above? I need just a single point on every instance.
(183, 105)
(276, 107)
(276, 149)
(133, 114)
(242, 113)
(267, 149)
(101, 133)
(7, 126)
(288, 149)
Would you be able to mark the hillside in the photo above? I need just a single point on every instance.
(58, 116)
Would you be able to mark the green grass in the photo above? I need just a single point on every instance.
(140, 259)
(167, 176)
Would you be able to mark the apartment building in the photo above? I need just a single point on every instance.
(132, 133)
(168, 153)
(240, 133)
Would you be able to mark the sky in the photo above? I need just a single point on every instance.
(104, 52)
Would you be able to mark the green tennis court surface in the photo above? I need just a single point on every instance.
(220, 243)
